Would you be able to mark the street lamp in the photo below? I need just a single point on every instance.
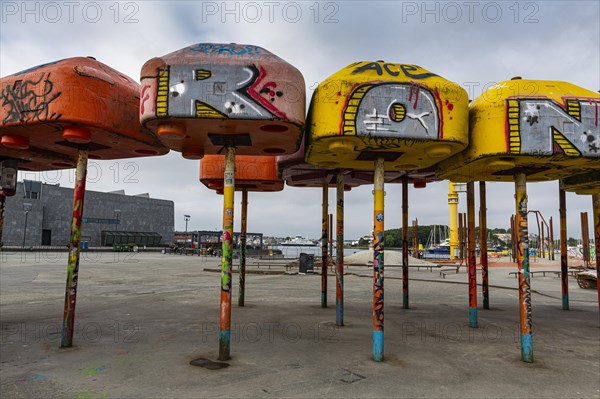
(26, 208)
(187, 219)
(118, 217)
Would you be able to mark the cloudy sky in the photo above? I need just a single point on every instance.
(471, 43)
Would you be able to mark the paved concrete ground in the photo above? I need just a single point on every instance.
(141, 319)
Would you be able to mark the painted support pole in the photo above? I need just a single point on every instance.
(378, 260)
(339, 272)
(513, 235)
(405, 242)
(564, 265)
(551, 239)
(66, 340)
(596, 210)
(585, 239)
(227, 257)
(483, 245)
(330, 228)
(471, 254)
(324, 245)
(525, 320)
(453, 207)
(2, 202)
(461, 255)
(415, 233)
(243, 233)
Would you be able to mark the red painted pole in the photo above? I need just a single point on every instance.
(339, 281)
(564, 266)
(73, 265)
(324, 245)
(405, 242)
(471, 254)
(483, 245)
(596, 210)
(243, 234)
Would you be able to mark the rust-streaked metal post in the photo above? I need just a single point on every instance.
(551, 239)
(525, 320)
(324, 245)
(378, 260)
(483, 245)
(471, 252)
(585, 239)
(564, 265)
(415, 233)
(243, 233)
(2, 202)
(513, 238)
(330, 227)
(405, 242)
(227, 257)
(596, 210)
(66, 340)
(339, 272)
(461, 247)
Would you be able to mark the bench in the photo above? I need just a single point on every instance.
(447, 270)
(534, 272)
(418, 267)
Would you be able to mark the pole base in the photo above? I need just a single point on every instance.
(473, 318)
(378, 346)
(224, 344)
(527, 348)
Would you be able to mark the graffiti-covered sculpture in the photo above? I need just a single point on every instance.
(49, 111)
(252, 173)
(214, 98)
(404, 113)
(524, 130)
(56, 116)
(546, 129)
(206, 96)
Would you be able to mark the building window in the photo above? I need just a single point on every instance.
(32, 189)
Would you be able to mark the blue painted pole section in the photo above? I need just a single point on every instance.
(378, 346)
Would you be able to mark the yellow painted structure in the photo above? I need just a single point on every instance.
(588, 183)
(453, 207)
(545, 129)
(409, 116)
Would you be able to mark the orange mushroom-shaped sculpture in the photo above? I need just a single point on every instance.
(252, 173)
(55, 116)
(208, 97)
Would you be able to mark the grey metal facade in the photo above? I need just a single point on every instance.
(49, 221)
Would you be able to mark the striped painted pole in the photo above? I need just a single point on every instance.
(564, 262)
(525, 320)
(378, 260)
(227, 256)
(324, 245)
(66, 340)
(339, 272)
(243, 233)
(471, 254)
